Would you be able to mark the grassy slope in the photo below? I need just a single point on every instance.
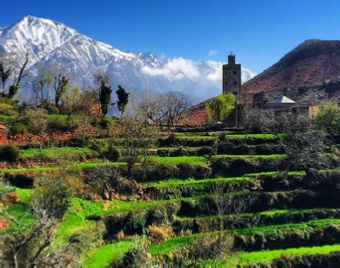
(246, 258)
(75, 219)
(102, 257)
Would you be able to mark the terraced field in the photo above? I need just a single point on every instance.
(201, 189)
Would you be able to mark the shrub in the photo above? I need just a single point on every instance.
(206, 150)
(137, 256)
(220, 167)
(93, 145)
(224, 147)
(185, 170)
(58, 124)
(51, 108)
(53, 196)
(81, 241)
(112, 154)
(171, 140)
(269, 149)
(163, 152)
(10, 153)
(77, 142)
(136, 221)
(7, 109)
(154, 171)
(105, 122)
(180, 152)
(157, 234)
(163, 214)
(17, 128)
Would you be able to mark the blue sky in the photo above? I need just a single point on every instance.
(259, 32)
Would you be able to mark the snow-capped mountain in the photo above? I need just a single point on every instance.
(49, 41)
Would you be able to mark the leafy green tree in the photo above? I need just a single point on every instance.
(26, 245)
(328, 119)
(123, 99)
(219, 108)
(60, 86)
(37, 123)
(71, 100)
(102, 90)
(105, 97)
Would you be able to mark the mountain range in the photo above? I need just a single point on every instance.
(47, 41)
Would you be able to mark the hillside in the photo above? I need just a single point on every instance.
(204, 198)
(307, 73)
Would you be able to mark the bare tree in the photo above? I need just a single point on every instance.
(42, 82)
(258, 120)
(148, 104)
(138, 137)
(9, 66)
(175, 108)
(304, 144)
(85, 114)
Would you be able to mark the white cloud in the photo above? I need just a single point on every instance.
(212, 52)
(214, 76)
(175, 69)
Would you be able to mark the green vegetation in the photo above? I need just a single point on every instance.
(220, 107)
(103, 256)
(247, 258)
(80, 189)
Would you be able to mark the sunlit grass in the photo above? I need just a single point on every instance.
(247, 156)
(20, 211)
(267, 256)
(253, 136)
(56, 150)
(172, 244)
(287, 227)
(60, 116)
(179, 182)
(180, 159)
(273, 173)
(180, 241)
(102, 257)
(5, 118)
(268, 213)
(52, 168)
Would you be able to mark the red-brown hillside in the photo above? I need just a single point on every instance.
(312, 63)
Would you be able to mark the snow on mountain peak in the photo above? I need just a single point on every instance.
(35, 36)
(49, 41)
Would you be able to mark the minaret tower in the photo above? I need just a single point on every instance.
(231, 74)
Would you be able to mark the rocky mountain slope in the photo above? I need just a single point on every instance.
(49, 41)
(308, 73)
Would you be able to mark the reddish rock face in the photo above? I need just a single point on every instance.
(3, 223)
(10, 198)
(314, 62)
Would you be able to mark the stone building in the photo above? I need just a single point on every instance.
(231, 74)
